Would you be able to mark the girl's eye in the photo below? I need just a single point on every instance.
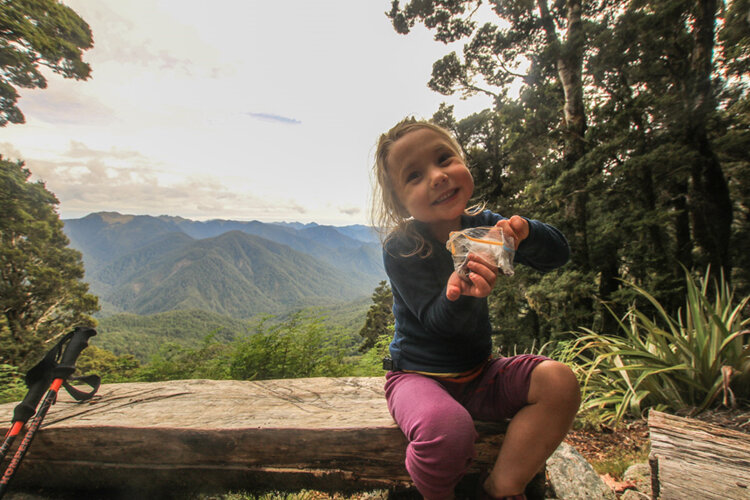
(412, 176)
(444, 159)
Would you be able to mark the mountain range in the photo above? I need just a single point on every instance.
(146, 265)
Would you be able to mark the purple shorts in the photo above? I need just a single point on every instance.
(437, 417)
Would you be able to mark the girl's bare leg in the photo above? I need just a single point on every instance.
(536, 430)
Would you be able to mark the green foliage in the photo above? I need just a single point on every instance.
(12, 386)
(616, 463)
(732, 137)
(674, 362)
(33, 34)
(110, 367)
(370, 364)
(735, 37)
(142, 336)
(41, 292)
(379, 316)
(174, 362)
(302, 346)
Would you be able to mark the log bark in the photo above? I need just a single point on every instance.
(323, 433)
(694, 459)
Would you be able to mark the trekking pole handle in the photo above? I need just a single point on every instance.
(26, 408)
(77, 343)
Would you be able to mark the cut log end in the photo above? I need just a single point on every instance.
(694, 459)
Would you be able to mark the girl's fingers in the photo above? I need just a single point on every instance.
(480, 287)
(482, 276)
(482, 267)
(520, 227)
(516, 227)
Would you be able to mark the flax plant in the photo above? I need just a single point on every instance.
(682, 362)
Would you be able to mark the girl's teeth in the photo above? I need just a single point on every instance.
(444, 197)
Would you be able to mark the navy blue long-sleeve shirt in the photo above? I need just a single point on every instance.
(433, 334)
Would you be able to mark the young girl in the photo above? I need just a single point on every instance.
(443, 374)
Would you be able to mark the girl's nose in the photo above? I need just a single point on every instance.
(438, 177)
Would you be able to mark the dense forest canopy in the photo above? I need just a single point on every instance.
(631, 133)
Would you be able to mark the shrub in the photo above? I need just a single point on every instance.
(686, 361)
(175, 362)
(302, 346)
(370, 364)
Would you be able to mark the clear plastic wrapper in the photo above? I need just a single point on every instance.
(488, 242)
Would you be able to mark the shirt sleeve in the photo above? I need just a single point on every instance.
(545, 249)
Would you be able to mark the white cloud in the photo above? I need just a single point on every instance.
(266, 110)
(350, 210)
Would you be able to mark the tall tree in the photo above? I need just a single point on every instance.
(658, 105)
(41, 292)
(35, 34)
(711, 207)
(379, 316)
(547, 36)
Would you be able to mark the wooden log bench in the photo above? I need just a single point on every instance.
(332, 434)
(694, 459)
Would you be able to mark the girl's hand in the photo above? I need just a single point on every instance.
(516, 227)
(482, 276)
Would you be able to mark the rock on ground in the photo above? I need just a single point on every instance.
(573, 478)
(640, 475)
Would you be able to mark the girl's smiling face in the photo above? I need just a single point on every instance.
(430, 180)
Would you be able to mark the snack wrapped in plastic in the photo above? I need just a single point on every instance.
(488, 242)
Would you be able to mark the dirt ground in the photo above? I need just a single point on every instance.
(605, 443)
(602, 443)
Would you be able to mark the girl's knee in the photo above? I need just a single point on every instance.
(447, 435)
(553, 381)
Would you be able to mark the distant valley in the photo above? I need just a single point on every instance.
(148, 265)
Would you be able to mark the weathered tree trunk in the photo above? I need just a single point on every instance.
(331, 434)
(693, 459)
(569, 70)
(710, 203)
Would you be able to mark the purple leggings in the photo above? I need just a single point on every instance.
(437, 417)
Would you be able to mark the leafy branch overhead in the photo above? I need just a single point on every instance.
(35, 35)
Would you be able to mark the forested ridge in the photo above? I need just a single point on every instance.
(630, 133)
(149, 265)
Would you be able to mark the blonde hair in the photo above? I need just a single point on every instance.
(387, 214)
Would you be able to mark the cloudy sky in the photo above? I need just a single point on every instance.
(229, 109)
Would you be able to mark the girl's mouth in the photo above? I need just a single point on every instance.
(446, 196)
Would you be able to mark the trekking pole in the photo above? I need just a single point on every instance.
(23, 412)
(60, 372)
